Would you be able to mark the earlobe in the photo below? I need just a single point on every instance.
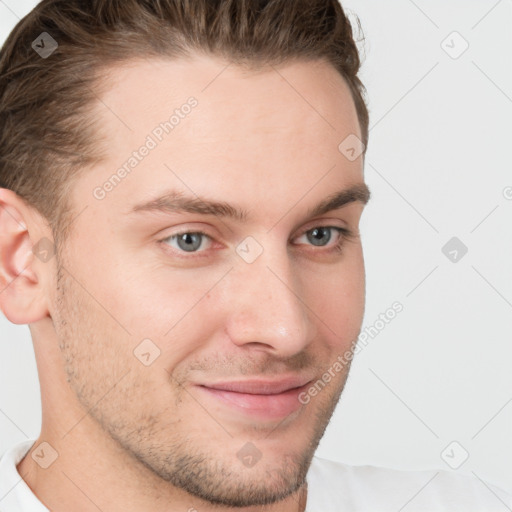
(21, 295)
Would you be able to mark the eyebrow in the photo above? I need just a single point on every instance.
(175, 201)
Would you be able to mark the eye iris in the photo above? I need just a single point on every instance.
(191, 241)
(315, 236)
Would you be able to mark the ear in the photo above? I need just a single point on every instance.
(25, 255)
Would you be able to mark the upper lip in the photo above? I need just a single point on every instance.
(259, 386)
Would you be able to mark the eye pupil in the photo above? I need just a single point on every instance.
(191, 241)
(315, 236)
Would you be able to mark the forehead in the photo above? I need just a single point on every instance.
(211, 125)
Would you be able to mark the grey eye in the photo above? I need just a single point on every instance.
(188, 242)
(319, 236)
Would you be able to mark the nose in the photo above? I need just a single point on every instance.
(268, 308)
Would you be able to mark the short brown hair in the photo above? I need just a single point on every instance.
(47, 132)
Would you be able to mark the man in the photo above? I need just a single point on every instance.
(182, 188)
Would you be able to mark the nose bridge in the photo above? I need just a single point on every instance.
(267, 305)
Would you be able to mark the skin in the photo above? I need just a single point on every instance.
(132, 437)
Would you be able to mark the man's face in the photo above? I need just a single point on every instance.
(266, 301)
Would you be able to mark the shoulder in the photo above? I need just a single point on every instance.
(15, 494)
(374, 488)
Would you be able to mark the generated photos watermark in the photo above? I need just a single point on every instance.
(343, 360)
(156, 136)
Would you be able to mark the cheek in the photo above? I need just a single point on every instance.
(170, 307)
(338, 299)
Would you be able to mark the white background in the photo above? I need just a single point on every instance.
(437, 164)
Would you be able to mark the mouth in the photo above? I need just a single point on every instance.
(263, 399)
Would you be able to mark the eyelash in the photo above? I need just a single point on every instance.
(345, 236)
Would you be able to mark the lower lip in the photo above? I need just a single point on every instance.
(265, 406)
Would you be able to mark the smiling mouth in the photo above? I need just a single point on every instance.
(264, 399)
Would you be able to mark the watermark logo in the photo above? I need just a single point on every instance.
(249, 455)
(44, 249)
(45, 455)
(455, 455)
(249, 249)
(454, 45)
(44, 45)
(146, 352)
(352, 147)
(454, 249)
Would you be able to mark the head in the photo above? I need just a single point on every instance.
(165, 177)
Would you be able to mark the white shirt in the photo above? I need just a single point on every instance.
(332, 487)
